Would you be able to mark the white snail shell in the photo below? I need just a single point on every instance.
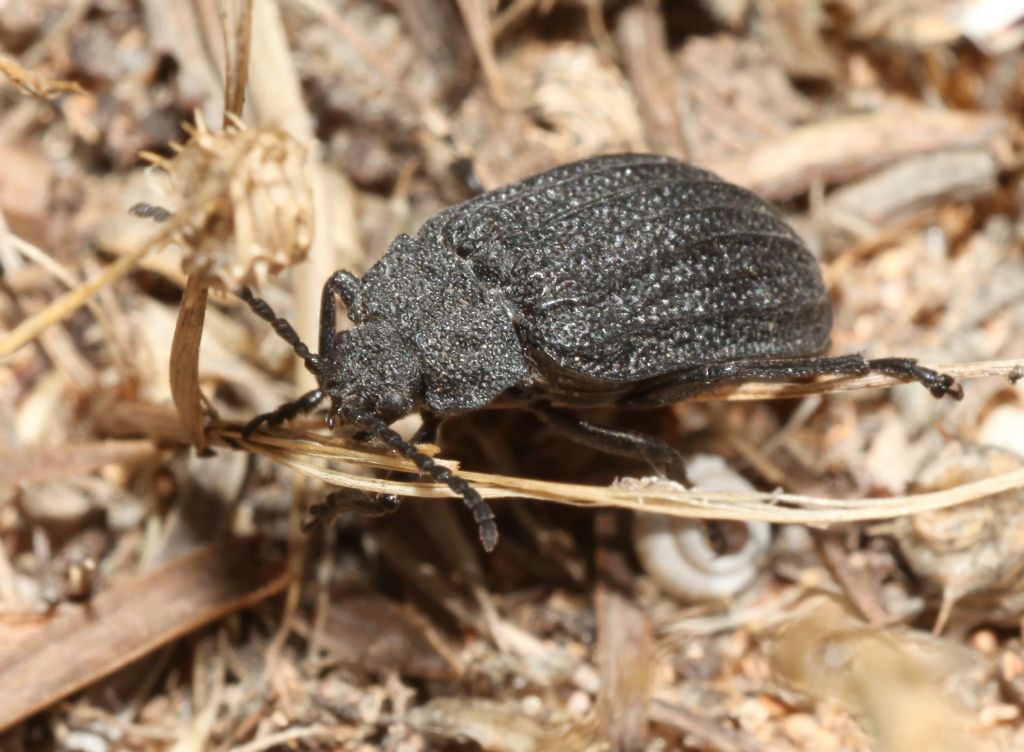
(676, 552)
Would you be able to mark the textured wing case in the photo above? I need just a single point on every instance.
(630, 267)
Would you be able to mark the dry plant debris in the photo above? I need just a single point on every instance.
(34, 84)
(151, 599)
(245, 200)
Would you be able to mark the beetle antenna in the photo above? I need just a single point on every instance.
(284, 330)
(482, 514)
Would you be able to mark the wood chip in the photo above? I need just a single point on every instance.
(840, 149)
(83, 644)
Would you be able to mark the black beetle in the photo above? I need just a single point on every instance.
(628, 280)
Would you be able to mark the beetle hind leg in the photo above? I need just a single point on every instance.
(665, 460)
(702, 379)
(939, 384)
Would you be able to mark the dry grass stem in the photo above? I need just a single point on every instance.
(311, 455)
(28, 82)
(74, 299)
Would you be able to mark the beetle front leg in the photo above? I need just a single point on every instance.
(347, 287)
(372, 505)
(663, 458)
(425, 434)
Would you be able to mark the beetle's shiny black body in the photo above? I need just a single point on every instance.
(626, 279)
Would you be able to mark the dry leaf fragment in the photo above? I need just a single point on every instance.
(837, 150)
(375, 634)
(918, 184)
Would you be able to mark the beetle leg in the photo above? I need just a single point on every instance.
(482, 514)
(691, 382)
(304, 404)
(655, 452)
(425, 434)
(348, 288)
(939, 384)
(342, 500)
(347, 500)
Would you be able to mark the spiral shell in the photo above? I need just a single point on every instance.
(678, 553)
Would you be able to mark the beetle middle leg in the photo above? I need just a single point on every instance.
(663, 458)
(723, 536)
(353, 500)
(694, 381)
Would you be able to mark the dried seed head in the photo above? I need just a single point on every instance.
(243, 201)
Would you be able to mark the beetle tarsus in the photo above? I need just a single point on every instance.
(692, 382)
(482, 514)
(939, 384)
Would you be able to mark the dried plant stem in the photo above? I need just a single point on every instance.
(184, 361)
(32, 83)
(38, 256)
(188, 331)
(74, 299)
(237, 40)
(477, 16)
(311, 455)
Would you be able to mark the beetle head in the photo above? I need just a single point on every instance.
(372, 371)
